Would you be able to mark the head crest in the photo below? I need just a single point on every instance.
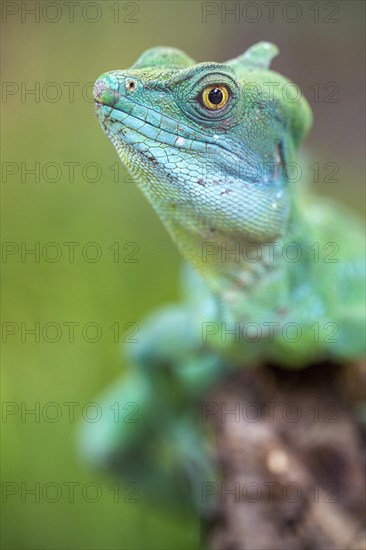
(258, 56)
(163, 57)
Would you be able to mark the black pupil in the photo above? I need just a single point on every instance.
(215, 96)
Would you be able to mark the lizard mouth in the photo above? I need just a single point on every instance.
(148, 133)
(154, 135)
(151, 125)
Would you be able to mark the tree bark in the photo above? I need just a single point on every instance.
(291, 459)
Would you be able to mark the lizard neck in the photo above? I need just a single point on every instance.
(250, 278)
(238, 271)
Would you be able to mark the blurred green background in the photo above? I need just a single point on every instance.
(324, 44)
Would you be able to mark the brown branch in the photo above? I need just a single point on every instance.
(292, 460)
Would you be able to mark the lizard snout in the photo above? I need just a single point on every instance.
(106, 90)
(113, 86)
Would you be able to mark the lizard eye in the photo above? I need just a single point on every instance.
(214, 97)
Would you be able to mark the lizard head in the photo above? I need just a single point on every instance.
(208, 143)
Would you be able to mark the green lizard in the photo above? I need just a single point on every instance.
(275, 274)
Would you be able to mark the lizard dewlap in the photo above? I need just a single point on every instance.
(276, 273)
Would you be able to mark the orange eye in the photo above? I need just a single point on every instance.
(215, 97)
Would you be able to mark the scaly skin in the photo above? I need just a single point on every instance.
(219, 181)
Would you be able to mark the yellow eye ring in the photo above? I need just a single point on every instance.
(215, 97)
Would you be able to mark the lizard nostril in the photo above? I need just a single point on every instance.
(130, 85)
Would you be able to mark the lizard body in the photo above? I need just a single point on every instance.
(217, 179)
(210, 145)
